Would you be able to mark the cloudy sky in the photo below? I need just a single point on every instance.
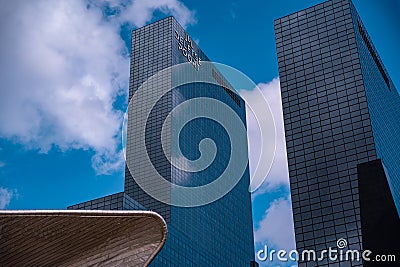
(64, 71)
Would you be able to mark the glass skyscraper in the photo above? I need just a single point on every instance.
(221, 232)
(342, 125)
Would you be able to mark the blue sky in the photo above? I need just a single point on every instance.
(64, 78)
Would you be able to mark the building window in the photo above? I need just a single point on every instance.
(373, 54)
(224, 85)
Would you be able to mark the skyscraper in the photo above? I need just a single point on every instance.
(219, 233)
(342, 124)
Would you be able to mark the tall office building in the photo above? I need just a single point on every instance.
(221, 232)
(342, 124)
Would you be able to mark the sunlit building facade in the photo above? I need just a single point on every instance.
(221, 232)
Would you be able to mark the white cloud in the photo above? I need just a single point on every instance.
(141, 11)
(5, 197)
(2, 164)
(63, 66)
(278, 175)
(276, 227)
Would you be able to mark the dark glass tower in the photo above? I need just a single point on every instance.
(197, 236)
(221, 232)
(342, 123)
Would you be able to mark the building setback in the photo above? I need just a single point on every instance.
(342, 125)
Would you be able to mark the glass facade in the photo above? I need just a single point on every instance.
(118, 201)
(340, 110)
(383, 105)
(219, 233)
(216, 234)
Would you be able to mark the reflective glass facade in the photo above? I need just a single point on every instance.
(340, 110)
(118, 201)
(383, 105)
(216, 234)
(219, 233)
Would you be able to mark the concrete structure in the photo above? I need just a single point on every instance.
(80, 238)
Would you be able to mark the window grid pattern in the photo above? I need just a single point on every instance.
(327, 124)
(196, 236)
(118, 201)
(384, 106)
(151, 53)
(373, 54)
